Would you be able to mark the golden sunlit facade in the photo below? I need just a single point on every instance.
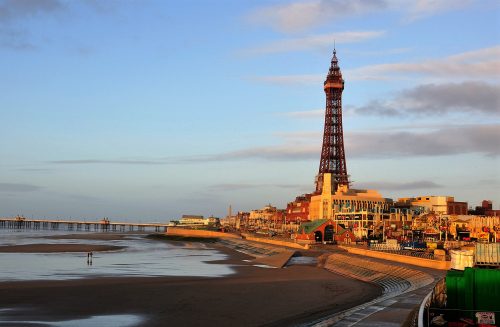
(345, 200)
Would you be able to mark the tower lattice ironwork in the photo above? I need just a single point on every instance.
(332, 153)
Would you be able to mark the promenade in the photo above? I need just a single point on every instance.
(404, 288)
(404, 285)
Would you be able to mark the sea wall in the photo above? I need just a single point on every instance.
(428, 263)
(275, 242)
(198, 233)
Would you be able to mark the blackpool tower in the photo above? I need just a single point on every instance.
(332, 153)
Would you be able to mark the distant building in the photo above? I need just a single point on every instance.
(457, 208)
(319, 230)
(298, 210)
(241, 220)
(486, 209)
(345, 200)
(191, 220)
(436, 204)
(324, 230)
(267, 217)
(444, 205)
(212, 221)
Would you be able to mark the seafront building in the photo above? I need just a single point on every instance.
(269, 217)
(485, 209)
(298, 210)
(438, 204)
(193, 220)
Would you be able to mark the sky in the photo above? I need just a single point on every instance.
(147, 110)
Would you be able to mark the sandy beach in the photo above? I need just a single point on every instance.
(253, 296)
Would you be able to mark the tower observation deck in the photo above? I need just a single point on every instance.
(332, 153)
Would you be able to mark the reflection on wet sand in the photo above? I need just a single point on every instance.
(45, 256)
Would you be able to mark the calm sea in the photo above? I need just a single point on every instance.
(140, 257)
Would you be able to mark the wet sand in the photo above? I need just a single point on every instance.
(57, 248)
(92, 236)
(251, 297)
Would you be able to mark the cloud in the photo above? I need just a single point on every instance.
(402, 186)
(477, 64)
(448, 140)
(245, 186)
(472, 97)
(14, 9)
(304, 114)
(15, 40)
(35, 170)
(283, 152)
(481, 63)
(15, 35)
(315, 114)
(18, 187)
(424, 8)
(379, 52)
(451, 140)
(306, 79)
(321, 41)
(454, 140)
(101, 161)
(302, 15)
(298, 16)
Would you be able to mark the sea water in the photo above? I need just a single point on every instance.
(139, 257)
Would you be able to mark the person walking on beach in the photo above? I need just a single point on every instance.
(89, 258)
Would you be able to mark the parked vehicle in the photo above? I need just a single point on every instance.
(414, 245)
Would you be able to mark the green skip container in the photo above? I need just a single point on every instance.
(473, 290)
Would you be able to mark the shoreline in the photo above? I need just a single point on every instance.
(252, 296)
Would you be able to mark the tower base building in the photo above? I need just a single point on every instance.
(346, 201)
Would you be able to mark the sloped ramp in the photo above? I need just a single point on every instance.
(277, 260)
(265, 254)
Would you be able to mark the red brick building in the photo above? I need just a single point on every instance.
(457, 208)
(344, 236)
(324, 230)
(486, 209)
(298, 210)
(317, 231)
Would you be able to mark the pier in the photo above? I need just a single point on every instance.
(103, 225)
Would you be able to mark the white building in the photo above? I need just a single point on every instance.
(191, 220)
